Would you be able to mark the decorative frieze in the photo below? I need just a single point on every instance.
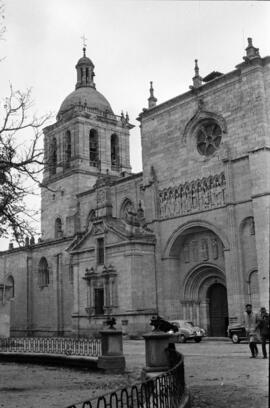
(197, 195)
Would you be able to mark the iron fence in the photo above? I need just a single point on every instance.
(53, 345)
(163, 391)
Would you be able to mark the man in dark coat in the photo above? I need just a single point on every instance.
(263, 325)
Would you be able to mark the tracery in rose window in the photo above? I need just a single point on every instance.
(208, 138)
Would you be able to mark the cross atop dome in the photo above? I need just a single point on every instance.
(84, 39)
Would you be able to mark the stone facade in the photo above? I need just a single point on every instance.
(188, 238)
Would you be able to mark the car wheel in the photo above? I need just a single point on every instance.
(198, 339)
(235, 339)
(182, 339)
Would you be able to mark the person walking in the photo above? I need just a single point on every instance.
(263, 326)
(251, 322)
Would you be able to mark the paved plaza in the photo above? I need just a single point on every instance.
(219, 374)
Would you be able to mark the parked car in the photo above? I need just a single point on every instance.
(187, 331)
(237, 332)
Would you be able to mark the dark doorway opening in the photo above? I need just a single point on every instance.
(99, 301)
(218, 310)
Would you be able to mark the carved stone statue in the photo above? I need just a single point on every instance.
(215, 248)
(204, 249)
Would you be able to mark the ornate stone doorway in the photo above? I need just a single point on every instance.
(197, 257)
(205, 299)
(218, 310)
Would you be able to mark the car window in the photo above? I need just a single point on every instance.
(191, 324)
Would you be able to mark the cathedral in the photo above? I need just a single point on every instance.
(187, 238)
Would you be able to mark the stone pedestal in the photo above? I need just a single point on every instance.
(155, 356)
(112, 358)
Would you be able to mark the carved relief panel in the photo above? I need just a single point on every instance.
(198, 195)
(201, 247)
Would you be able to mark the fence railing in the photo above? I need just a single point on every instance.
(163, 391)
(53, 345)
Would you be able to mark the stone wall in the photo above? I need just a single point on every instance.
(184, 192)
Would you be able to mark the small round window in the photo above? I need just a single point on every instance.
(208, 138)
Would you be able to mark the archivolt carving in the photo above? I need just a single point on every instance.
(191, 197)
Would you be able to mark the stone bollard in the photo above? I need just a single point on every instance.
(155, 355)
(112, 359)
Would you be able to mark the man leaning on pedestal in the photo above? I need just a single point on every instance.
(251, 323)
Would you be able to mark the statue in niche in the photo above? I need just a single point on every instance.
(184, 201)
(218, 193)
(162, 200)
(186, 253)
(166, 198)
(180, 200)
(128, 208)
(165, 204)
(194, 197)
(223, 188)
(194, 250)
(215, 248)
(207, 194)
(204, 250)
(200, 197)
(177, 202)
(171, 204)
(189, 198)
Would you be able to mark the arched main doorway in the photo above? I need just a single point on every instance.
(197, 256)
(218, 310)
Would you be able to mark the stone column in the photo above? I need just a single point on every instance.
(259, 161)
(233, 267)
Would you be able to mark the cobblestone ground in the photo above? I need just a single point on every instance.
(218, 374)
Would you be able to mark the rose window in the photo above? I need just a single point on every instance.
(208, 138)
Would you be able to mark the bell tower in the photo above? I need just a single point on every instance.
(87, 140)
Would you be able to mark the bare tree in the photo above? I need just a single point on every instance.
(21, 162)
(21, 158)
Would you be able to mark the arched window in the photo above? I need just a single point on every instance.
(115, 160)
(53, 156)
(10, 288)
(58, 228)
(126, 207)
(93, 148)
(43, 272)
(67, 148)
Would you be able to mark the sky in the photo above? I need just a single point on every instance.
(130, 43)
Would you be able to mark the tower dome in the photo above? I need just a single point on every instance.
(85, 93)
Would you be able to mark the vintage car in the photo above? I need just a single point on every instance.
(237, 332)
(187, 331)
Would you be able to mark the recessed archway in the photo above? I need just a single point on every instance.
(196, 261)
(205, 299)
